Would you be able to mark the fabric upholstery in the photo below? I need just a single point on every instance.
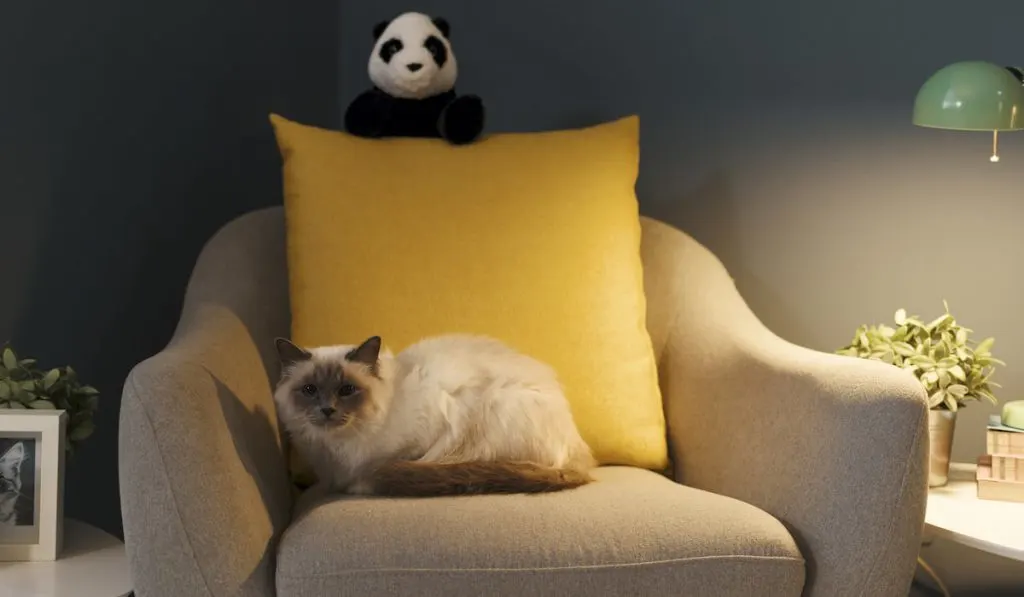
(836, 447)
(203, 481)
(633, 532)
(833, 448)
(531, 237)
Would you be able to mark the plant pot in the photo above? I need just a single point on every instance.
(941, 424)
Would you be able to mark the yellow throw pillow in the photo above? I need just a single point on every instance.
(532, 238)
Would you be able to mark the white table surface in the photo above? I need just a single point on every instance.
(92, 564)
(955, 513)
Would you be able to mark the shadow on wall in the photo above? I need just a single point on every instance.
(123, 227)
(130, 134)
(708, 213)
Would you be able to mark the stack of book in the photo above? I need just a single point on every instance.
(1001, 470)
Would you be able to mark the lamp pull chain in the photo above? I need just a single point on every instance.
(995, 147)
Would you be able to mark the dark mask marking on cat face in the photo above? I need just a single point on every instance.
(327, 395)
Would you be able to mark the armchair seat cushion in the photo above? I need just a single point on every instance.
(633, 532)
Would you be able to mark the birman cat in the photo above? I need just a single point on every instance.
(452, 414)
(10, 483)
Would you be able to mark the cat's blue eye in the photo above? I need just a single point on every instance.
(347, 389)
(309, 389)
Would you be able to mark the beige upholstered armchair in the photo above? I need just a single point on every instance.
(796, 472)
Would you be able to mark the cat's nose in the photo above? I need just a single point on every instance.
(328, 411)
(414, 66)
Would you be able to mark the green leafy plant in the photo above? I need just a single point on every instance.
(24, 386)
(953, 369)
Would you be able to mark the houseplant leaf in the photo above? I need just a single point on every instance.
(984, 346)
(938, 322)
(10, 359)
(23, 386)
(940, 354)
(50, 378)
(903, 349)
(81, 431)
(988, 396)
(957, 390)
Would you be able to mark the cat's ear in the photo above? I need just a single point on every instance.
(11, 460)
(366, 353)
(291, 353)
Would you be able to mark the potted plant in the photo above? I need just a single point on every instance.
(23, 385)
(953, 369)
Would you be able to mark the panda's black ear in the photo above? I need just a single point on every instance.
(379, 28)
(443, 26)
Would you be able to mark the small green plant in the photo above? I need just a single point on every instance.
(24, 386)
(953, 369)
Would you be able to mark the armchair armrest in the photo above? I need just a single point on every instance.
(834, 447)
(204, 484)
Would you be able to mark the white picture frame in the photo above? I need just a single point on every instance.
(32, 455)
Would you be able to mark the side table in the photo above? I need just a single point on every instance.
(92, 564)
(956, 514)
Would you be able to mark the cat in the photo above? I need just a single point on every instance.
(10, 483)
(449, 415)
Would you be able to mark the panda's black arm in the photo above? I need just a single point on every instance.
(365, 115)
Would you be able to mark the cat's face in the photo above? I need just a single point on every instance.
(10, 480)
(330, 389)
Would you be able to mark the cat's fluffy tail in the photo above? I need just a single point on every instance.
(421, 479)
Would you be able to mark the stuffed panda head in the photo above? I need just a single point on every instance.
(412, 57)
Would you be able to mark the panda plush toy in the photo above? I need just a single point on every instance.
(413, 70)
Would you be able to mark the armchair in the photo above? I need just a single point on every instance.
(796, 472)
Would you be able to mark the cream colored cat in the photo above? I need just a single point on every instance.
(450, 414)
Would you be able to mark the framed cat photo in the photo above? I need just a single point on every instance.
(32, 452)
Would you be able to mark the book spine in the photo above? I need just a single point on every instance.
(1000, 478)
(1008, 468)
(1005, 443)
(999, 491)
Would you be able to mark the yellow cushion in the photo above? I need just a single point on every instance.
(532, 238)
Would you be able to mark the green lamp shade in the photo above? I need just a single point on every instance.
(971, 96)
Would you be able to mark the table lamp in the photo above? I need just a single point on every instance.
(973, 96)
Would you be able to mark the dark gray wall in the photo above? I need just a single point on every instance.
(129, 132)
(779, 134)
